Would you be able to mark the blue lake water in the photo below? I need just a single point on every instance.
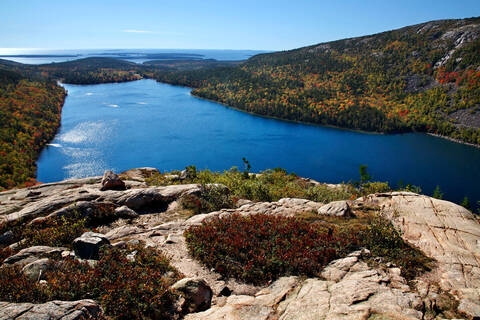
(144, 123)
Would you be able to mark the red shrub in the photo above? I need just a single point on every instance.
(5, 253)
(126, 289)
(260, 248)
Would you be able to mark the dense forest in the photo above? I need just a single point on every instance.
(419, 78)
(29, 117)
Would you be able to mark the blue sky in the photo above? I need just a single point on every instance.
(239, 24)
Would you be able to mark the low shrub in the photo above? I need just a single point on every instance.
(126, 289)
(375, 187)
(325, 194)
(103, 214)
(383, 240)
(211, 198)
(16, 287)
(5, 253)
(269, 185)
(260, 248)
(55, 232)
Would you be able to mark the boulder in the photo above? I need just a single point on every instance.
(71, 310)
(183, 175)
(28, 255)
(173, 238)
(88, 245)
(131, 256)
(153, 197)
(35, 270)
(47, 205)
(286, 207)
(120, 244)
(122, 232)
(335, 208)
(173, 177)
(111, 181)
(7, 238)
(84, 195)
(84, 209)
(196, 293)
(140, 174)
(125, 212)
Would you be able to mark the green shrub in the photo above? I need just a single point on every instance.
(260, 248)
(325, 194)
(437, 193)
(383, 240)
(211, 198)
(364, 175)
(466, 203)
(269, 185)
(375, 187)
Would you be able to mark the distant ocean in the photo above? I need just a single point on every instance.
(40, 56)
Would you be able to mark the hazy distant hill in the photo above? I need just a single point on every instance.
(424, 77)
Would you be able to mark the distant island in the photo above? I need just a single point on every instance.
(39, 55)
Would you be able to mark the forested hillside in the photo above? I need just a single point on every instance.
(29, 117)
(423, 78)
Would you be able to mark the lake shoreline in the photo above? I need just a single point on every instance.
(286, 120)
(454, 140)
(324, 125)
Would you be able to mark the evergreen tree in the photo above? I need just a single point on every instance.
(437, 193)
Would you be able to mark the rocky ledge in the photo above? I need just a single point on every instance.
(349, 288)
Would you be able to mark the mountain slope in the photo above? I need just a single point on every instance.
(424, 77)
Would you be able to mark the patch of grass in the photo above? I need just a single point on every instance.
(126, 289)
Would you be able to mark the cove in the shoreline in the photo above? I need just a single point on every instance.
(163, 126)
